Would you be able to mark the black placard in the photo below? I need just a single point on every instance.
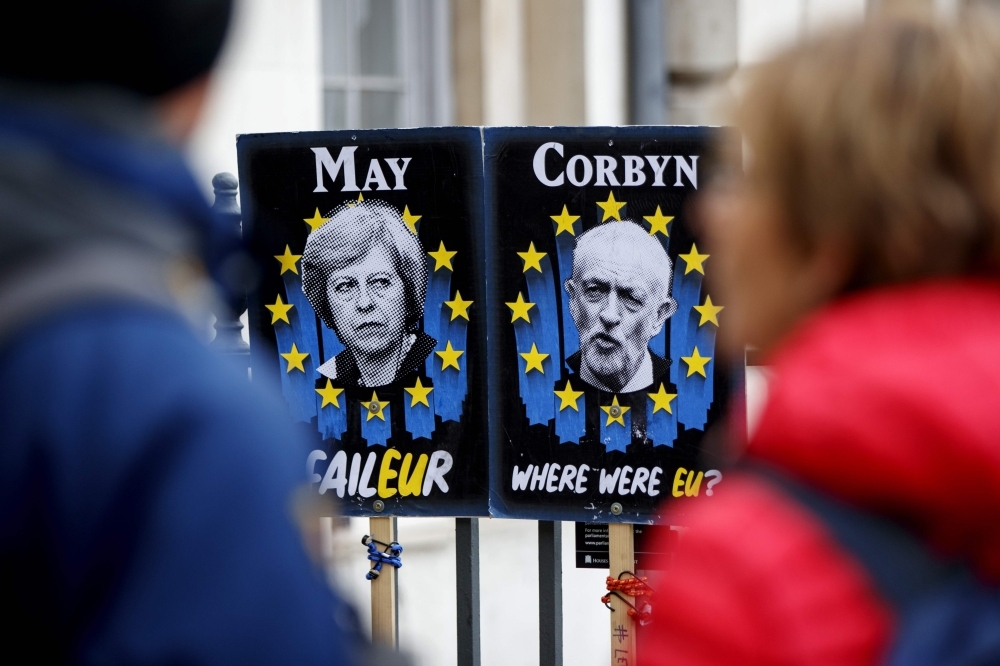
(592, 546)
(375, 239)
(602, 334)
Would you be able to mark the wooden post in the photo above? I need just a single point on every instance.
(622, 558)
(385, 625)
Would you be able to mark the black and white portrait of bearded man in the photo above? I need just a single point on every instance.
(619, 294)
(364, 273)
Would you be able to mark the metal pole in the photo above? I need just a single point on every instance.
(647, 71)
(467, 589)
(550, 614)
(228, 327)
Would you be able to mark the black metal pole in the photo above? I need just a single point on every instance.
(467, 589)
(647, 70)
(228, 327)
(550, 612)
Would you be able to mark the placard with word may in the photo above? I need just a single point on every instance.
(370, 311)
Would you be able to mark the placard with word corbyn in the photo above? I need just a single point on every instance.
(370, 310)
(602, 332)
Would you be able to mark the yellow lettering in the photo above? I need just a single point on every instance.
(678, 482)
(691, 489)
(387, 473)
(409, 484)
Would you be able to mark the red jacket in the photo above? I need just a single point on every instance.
(889, 399)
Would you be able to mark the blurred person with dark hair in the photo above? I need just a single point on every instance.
(859, 253)
(146, 489)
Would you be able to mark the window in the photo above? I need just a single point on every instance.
(386, 63)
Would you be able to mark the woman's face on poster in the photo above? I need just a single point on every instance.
(368, 302)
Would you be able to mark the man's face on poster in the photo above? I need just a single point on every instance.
(618, 306)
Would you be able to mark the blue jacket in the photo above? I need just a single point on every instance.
(147, 490)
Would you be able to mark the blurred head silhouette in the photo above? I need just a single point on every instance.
(160, 50)
(870, 157)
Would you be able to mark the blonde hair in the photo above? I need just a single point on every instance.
(888, 136)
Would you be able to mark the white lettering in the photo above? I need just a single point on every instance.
(633, 171)
(588, 170)
(566, 480)
(553, 478)
(336, 475)
(440, 465)
(654, 481)
(538, 477)
(398, 171)
(691, 170)
(520, 480)
(539, 164)
(623, 482)
(581, 479)
(325, 161)
(366, 475)
(658, 168)
(376, 176)
(315, 455)
(352, 483)
(608, 481)
(606, 166)
(639, 481)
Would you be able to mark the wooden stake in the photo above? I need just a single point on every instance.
(385, 629)
(622, 558)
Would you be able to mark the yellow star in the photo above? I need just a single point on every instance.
(661, 400)
(696, 363)
(459, 308)
(375, 407)
(316, 221)
(329, 395)
(279, 311)
(694, 260)
(533, 360)
(568, 397)
(708, 311)
(361, 198)
(295, 358)
(532, 258)
(611, 208)
(288, 260)
(519, 309)
(418, 393)
(658, 222)
(564, 222)
(442, 257)
(410, 219)
(449, 357)
(615, 412)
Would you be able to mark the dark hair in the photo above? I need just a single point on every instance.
(147, 46)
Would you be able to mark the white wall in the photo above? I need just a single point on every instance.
(508, 592)
(767, 26)
(268, 80)
(605, 62)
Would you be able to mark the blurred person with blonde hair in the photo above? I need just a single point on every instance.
(858, 249)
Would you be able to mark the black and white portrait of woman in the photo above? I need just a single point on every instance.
(365, 275)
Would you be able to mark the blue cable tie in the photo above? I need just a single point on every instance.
(389, 556)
